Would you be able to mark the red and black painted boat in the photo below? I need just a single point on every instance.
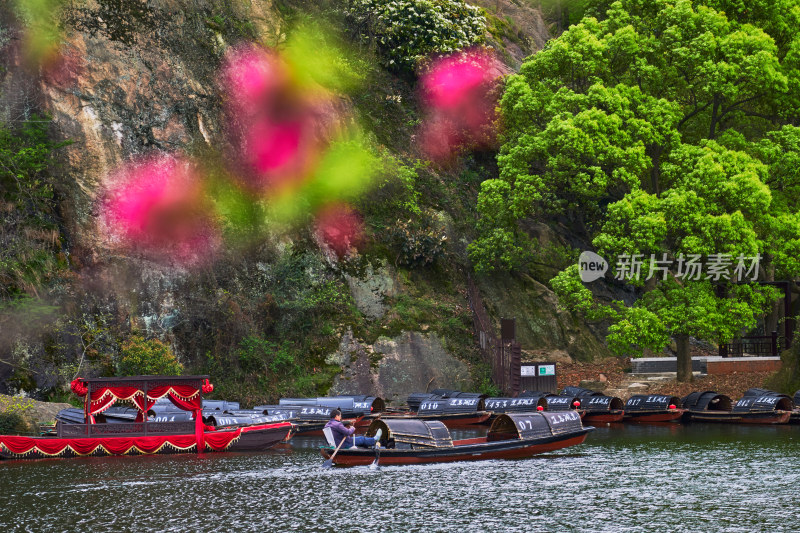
(653, 408)
(511, 436)
(142, 437)
(458, 412)
(708, 406)
(598, 408)
(795, 416)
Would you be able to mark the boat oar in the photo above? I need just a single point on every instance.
(374, 464)
(329, 462)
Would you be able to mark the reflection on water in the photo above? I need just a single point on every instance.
(625, 478)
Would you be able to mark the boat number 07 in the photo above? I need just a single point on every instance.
(523, 423)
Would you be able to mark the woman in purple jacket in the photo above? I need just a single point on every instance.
(340, 431)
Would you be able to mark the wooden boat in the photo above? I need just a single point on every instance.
(511, 436)
(761, 406)
(455, 409)
(795, 417)
(502, 405)
(653, 408)
(452, 412)
(599, 408)
(708, 406)
(94, 437)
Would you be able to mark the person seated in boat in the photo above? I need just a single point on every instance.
(342, 431)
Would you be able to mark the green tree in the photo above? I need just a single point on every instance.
(657, 128)
(140, 357)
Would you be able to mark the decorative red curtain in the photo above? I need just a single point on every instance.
(184, 396)
(102, 399)
(217, 442)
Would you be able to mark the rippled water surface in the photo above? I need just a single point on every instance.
(627, 478)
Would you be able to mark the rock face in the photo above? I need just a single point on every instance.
(370, 290)
(31, 411)
(394, 368)
(542, 328)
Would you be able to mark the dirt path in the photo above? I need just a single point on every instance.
(614, 372)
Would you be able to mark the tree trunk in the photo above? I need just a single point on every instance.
(771, 320)
(712, 131)
(684, 358)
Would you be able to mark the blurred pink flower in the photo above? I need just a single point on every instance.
(270, 122)
(340, 228)
(458, 91)
(157, 206)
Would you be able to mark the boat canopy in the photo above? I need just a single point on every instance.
(533, 425)
(450, 393)
(367, 404)
(707, 401)
(797, 398)
(185, 392)
(441, 406)
(650, 402)
(773, 402)
(361, 405)
(761, 392)
(431, 433)
(514, 405)
(601, 403)
(562, 402)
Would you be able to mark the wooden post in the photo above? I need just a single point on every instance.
(516, 363)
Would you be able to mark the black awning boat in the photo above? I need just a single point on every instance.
(511, 436)
(767, 408)
(650, 408)
(598, 407)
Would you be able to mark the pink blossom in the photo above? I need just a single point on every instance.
(270, 123)
(458, 92)
(340, 228)
(157, 206)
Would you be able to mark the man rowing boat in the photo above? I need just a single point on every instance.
(342, 431)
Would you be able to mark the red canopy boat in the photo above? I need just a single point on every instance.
(511, 436)
(141, 436)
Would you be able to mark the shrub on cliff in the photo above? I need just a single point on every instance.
(142, 357)
(407, 31)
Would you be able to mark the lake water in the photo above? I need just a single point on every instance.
(666, 478)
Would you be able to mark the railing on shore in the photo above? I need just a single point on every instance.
(504, 355)
(758, 345)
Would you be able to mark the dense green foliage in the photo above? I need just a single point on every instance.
(147, 357)
(29, 236)
(660, 127)
(408, 31)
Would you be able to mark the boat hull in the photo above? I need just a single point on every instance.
(244, 439)
(469, 450)
(604, 418)
(726, 417)
(646, 417)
